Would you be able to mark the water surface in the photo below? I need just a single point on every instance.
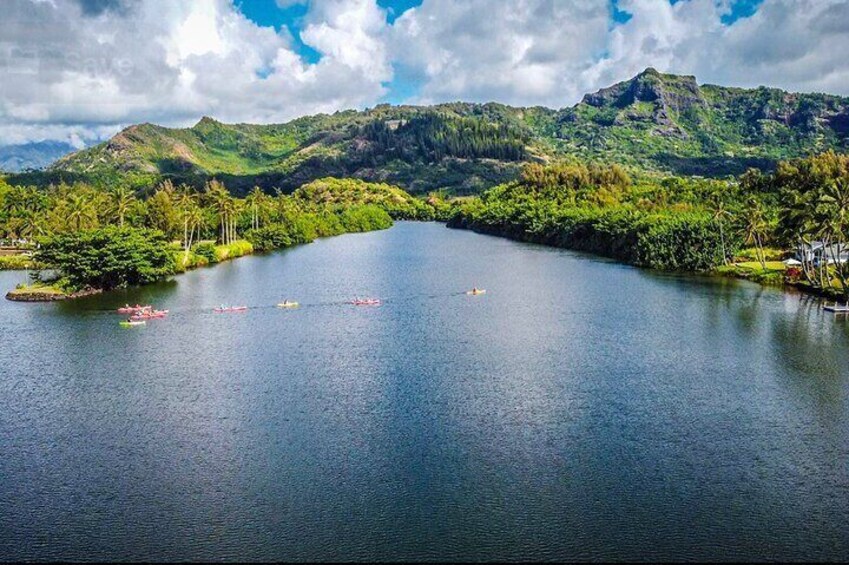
(581, 409)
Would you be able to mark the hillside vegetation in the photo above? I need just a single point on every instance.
(655, 123)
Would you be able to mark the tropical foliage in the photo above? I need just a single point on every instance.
(598, 209)
(108, 257)
(103, 239)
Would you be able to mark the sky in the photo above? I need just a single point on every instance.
(80, 70)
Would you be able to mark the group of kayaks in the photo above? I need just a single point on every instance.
(139, 315)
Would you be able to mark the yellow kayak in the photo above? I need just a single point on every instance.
(288, 304)
(476, 291)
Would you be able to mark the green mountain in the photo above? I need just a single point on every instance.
(654, 122)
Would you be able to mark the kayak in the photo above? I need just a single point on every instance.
(366, 302)
(476, 291)
(288, 304)
(230, 309)
(131, 323)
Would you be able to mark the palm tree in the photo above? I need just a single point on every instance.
(719, 216)
(32, 226)
(194, 220)
(122, 202)
(835, 208)
(235, 208)
(255, 201)
(222, 201)
(185, 203)
(754, 227)
(799, 223)
(81, 212)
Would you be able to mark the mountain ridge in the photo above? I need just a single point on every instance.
(653, 122)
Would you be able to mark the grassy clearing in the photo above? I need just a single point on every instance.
(16, 262)
(753, 270)
(37, 289)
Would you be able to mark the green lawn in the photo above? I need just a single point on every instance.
(38, 288)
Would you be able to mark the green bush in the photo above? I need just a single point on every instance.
(266, 238)
(206, 249)
(233, 250)
(193, 261)
(365, 218)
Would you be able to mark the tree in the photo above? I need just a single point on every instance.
(835, 208)
(754, 228)
(194, 221)
(81, 214)
(719, 215)
(122, 200)
(255, 201)
(162, 213)
(223, 203)
(108, 257)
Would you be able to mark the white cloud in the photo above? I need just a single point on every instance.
(524, 52)
(91, 63)
(81, 69)
(543, 52)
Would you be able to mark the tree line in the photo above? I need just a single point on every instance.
(680, 223)
(104, 239)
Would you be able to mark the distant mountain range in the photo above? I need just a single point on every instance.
(654, 122)
(16, 158)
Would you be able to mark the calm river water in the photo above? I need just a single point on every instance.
(581, 409)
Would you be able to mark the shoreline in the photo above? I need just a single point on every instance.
(49, 293)
(829, 295)
(53, 294)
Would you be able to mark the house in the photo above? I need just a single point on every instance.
(817, 251)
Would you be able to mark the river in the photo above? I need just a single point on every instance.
(580, 409)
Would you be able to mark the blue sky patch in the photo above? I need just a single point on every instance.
(741, 9)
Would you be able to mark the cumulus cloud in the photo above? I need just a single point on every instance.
(96, 63)
(546, 52)
(798, 45)
(81, 69)
(525, 52)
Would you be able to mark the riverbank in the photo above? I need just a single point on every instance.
(46, 293)
(774, 274)
(202, 255)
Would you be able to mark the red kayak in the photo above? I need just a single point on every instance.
(226, 309)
